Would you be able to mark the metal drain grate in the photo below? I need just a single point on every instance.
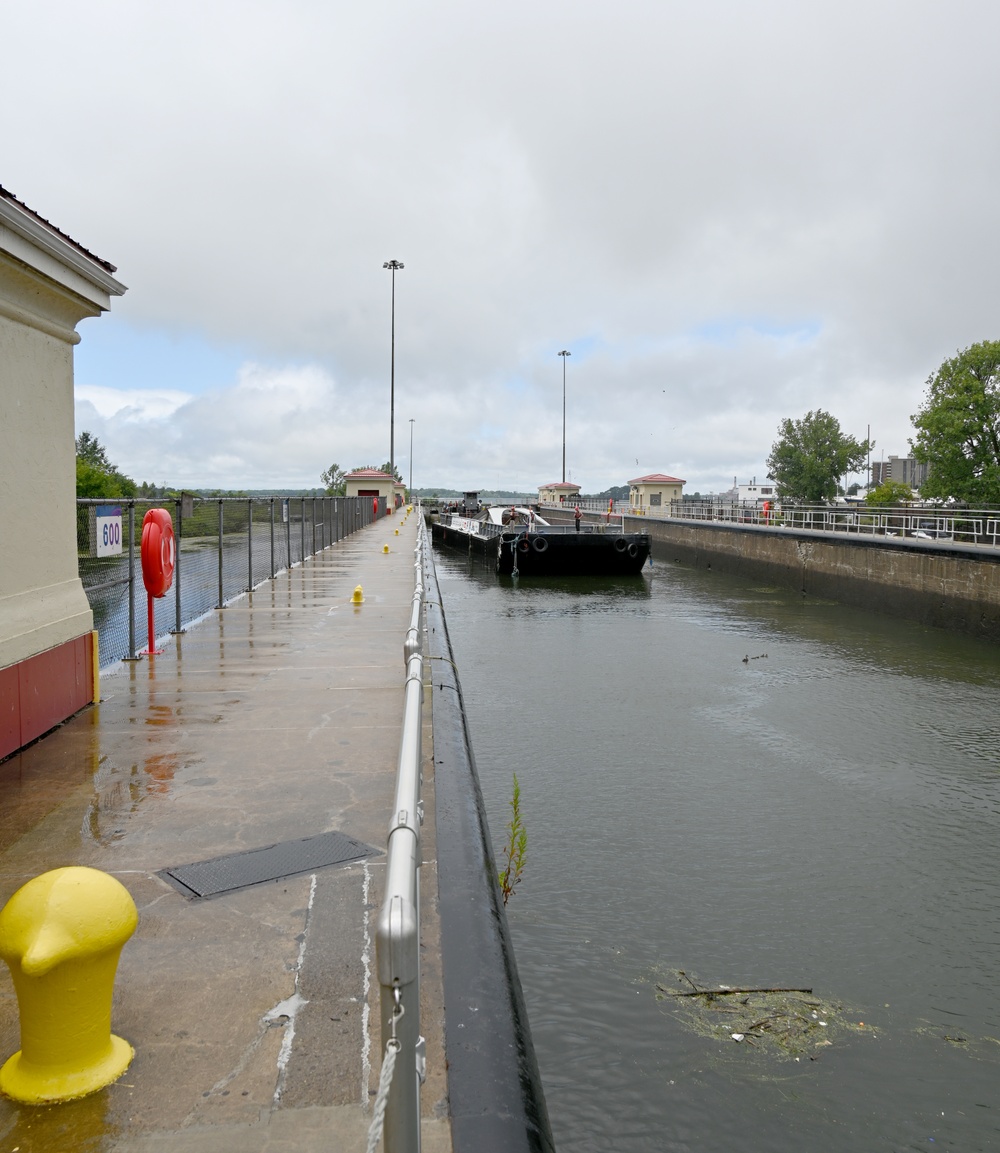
(270, 863)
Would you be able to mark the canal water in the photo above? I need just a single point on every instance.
(725, 784)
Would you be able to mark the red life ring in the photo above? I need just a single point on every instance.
(157, 552)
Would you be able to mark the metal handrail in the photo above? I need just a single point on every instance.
(271, 532)
(961, 526)
(397, 931)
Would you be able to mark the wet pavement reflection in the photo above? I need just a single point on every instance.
(271, 720)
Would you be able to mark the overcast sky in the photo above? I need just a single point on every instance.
(729, 212)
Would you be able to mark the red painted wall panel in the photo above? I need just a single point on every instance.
(10, 711)
(47, 688)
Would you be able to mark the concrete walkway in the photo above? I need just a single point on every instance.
(254, 1014)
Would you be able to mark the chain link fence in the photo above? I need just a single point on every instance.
(225, 546)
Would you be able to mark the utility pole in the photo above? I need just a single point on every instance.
(564, 354)
(393, 266)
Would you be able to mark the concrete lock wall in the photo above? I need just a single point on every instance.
(945, 586)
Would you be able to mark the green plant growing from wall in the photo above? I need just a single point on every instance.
(515, 848)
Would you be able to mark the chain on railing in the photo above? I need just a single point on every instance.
(397, 933)
(226, 546)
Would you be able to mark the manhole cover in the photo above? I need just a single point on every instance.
(270, 863)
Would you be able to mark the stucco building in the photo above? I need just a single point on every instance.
(48, 652)
(370, 482)
(558, 492)
(652, 494)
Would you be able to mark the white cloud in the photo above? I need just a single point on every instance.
(679, 184)
(134, 405)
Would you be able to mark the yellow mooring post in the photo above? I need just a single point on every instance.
(359, 595)
(61, 935)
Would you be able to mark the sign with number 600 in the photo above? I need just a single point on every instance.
(108, 521)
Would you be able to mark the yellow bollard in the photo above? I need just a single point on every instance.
(385, 548)
(359, 596)
(397, 532)
(61, 935)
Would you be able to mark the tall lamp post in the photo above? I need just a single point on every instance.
(411, 457)
(393, 266)
(564, 354)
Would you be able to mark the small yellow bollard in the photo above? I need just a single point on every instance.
(61, 935)
(397, 532)
(385, 548)
(359, 596)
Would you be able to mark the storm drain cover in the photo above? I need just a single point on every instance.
(270, 863)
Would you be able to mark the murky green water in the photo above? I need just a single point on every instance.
(823, 814)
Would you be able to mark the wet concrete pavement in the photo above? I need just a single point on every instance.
(254, 1014)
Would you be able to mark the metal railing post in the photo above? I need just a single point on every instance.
(131, 579)
(221, 603)
(179, 514)
(302, 527)
(250, 545)
(272, 539)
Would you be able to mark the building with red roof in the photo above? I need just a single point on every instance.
(652, 494)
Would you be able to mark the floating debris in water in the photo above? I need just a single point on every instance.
(781, 1021)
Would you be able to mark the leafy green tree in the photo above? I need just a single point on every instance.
(333, 479)
(90, 449)
(96, 476)
(811, 454)
(890, 492)
(958, 427)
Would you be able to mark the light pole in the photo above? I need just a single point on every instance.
(393, 265)
(411, 457)
(564, 354)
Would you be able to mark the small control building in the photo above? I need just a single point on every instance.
(558, 492)
(651, 495)
(370, 482)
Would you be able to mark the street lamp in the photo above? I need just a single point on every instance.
(564, 354)
(393, 265)
(411, 457)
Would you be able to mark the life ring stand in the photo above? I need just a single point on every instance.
(621, 544)
(539, 543)
(157, 552)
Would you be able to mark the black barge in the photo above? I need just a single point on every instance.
(520, 543)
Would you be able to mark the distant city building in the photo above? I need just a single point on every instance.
(901, 468)
(757, 492)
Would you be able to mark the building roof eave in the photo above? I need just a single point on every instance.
(23, 222)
